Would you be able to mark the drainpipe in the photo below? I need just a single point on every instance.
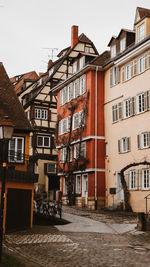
(96, 137)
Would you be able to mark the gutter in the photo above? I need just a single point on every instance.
(96, 137)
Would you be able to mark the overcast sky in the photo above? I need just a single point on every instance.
(27, 27)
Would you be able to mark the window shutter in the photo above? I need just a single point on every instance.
(149, 139)
(145, 101)
(61, 97)
(132, 106)
(117, 77)
(60, 127)
(111, 77)
(120, 110)
(131, 69)
(84, 84)
(148, 99)
(52, 144)
(49, 115)
(138, 141)
(135, 67)
(146, 61)
(32, 112)
(123, 74)
(140, 179)
(128, 144)
(68, 123)
(119, 146)
(61, 155)
(34, 140)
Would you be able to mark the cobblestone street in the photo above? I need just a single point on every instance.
(48, 247)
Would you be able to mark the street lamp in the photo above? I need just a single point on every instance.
(6, 132)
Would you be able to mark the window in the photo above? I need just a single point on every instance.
(122, 44)
(129, 71)
(126, 108)
(78, 184)
(82, 84)
(41, 114)
(115, 115)
(141, 32)
(114, 76)
(75, 67)
(16, 150)
(124, 145)
(63, 154)
(43, 141)
(145, 179)
(143, 140)
(82, 153)
(81, 62)
(113, 51)
(70, 92)
(76, 88)
(87, 49)
(141, 64)
(132, 179)
(141, 103)
(75, 121)
(51, 168)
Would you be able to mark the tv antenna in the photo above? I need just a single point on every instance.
(51, 55)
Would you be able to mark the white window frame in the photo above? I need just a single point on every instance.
(43, 141)
(113, 51)
(63, 152)
(127, 108)
(124, 145)
(78, 184)
(144, 140)
(87, 49)
(41, 114)
(132, 180)
(82, 84)
(128, 71)
(81, 62)
(140, 103)
(15, 151)
(74, 67)
(141, 32)
(145, 179)
(141, 64)
(115, 113)
(122, 44)
(83, 150)
(114, 75)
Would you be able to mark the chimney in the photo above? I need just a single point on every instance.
(74, 35)
(50, 62)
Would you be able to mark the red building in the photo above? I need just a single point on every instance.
(83, 89)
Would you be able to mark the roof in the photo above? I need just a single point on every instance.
(9, 103)
(143, 12)
(125, 30)
(26, 76)
(63, 50)
(101, 59)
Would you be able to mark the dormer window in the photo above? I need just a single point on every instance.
(122, 44)
(141, 32)
(75, 67)
(113, 51)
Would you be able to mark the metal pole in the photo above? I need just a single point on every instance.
(2, 208)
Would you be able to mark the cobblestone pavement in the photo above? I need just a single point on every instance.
(48, 247)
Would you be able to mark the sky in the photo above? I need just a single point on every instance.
(29, 29)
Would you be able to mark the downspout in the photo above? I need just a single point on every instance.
(96, 137)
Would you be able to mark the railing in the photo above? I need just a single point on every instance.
(146, 198)
(47, 208)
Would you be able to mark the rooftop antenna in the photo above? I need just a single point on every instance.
(51, 55)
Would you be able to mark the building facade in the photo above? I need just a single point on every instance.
(80, 98)
(127, 107)
(20, 178)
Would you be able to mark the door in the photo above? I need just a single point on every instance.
(18, 213)
(119, 189)
(85, 187)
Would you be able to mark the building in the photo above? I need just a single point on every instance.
(127, 112)
(80, 98)
(20, 179)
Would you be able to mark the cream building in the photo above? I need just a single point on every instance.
(127, 115)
